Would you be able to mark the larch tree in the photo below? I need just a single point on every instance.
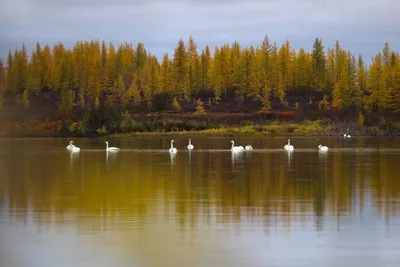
(179, 69)
(205, 68)
(318, 65)
(165, 75)
(2, 82)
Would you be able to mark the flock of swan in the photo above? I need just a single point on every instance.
(71, 147)
(173, 150)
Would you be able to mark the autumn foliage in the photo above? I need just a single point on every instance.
(267, 78)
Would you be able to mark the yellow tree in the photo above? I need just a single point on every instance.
(225, 68)
(165, 75)
(11, 78)
(360, 88)
(337, 97)
(376, 84)
(275, 72)
(94, 72)
(34, 73)
(2, 82)
(205, 68)
(194, 71)
(330, 69)
(302, 69)
(234, 58)
(216, 75)
(265, 57)
(179, 69)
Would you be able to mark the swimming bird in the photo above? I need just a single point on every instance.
(190, 146)
(172, 149)
(71, 145)
(111, 148)
(236, 148)
(248, 147)
(322, 148)
(288, 147)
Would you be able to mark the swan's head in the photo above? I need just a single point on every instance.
(172, 141)
(232, 141)
(319, 146)
(107, 142)
(71, 142)
(190, 139)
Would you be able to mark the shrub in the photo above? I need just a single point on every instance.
(77, 128)
(175, 104)
(102, 131)
(200, 108)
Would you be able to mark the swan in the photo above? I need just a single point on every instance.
(322, 148)
(75, 149)
(346, 135)
(172, 149)
(111, 148)
(289, 147)
(70, 146)
(190, 146)
(248, 147)
(236, 148)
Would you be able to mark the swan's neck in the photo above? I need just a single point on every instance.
(106, 145)
(172, 146)
(288, 142)
(233, 144)
(190, 142)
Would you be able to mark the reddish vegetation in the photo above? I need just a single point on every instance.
(46, 127)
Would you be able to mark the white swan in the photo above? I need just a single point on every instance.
(75, 149)
(71, 145)
(248, 147)
(236, 148)
(346, 135)
(111, 148)
(288, 147)
(172, 149)
(190, 146)
(322, 148)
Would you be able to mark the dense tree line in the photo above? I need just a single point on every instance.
(95, 75)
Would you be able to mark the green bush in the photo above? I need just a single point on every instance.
(77, 128)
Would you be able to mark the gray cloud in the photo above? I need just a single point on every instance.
(362, 27)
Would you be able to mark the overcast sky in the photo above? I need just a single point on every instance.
(360, 25)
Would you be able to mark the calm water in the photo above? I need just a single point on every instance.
(140, 207)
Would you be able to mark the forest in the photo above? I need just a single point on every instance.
(98, 88)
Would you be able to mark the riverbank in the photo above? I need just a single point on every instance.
(192, 126)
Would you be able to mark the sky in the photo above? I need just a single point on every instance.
(362, 26)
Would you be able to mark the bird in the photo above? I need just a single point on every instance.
(190, 146)
(111, 148)
(322, 148)
(75, 149)
(288, 147)
(248, 147)
(172, 149)
(71, 145)
(236, 148)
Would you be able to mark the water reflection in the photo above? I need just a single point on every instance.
(138, 195)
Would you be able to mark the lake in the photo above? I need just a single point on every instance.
(207, 207)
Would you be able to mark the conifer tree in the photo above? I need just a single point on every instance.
(318, 65)
(2, 82)
(179, 69)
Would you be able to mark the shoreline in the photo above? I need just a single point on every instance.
(225, 132)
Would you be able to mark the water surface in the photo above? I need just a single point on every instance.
(208, 207)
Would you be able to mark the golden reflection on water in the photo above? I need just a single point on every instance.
(156, 195)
